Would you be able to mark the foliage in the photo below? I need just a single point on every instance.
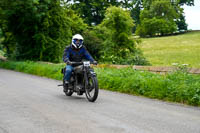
(135, 12)
(76, 23)
(158, 19)
(147, 3)
(177, 86)
(119, 46)
(93, 11)
(7, 41)
(40, 29)
(54, 34)
(183, 68)
(181, 23)
(8, 44)
(187, 2)
(155, 26)
(36, 68)
(93, 42)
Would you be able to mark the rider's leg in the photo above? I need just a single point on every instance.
(68, 73)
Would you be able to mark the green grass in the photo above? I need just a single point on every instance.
(36, 68)
(177, 87)
(182, 49)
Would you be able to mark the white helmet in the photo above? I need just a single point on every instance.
(77, 41)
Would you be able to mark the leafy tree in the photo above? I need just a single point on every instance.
(93, 11)
(41, 28)
(22, 20)
(8, 42)
(187, 2)
(135, 12)
(76, 23)
(53, 34)
(158, 19)
(93, 42)
(180, 20)
(147, 3)
(119, 46)
(181, 23)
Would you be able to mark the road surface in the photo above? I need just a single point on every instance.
(31, 104)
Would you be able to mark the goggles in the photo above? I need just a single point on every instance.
(77, 41)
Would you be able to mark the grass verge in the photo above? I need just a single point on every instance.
(182, 49)
(178, 86)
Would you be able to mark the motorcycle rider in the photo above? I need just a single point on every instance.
(75, 52)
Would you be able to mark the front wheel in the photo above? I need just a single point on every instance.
(92, 89)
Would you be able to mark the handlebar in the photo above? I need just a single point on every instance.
(76, 63)
(79, 63)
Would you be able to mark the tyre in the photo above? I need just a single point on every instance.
(92, 89)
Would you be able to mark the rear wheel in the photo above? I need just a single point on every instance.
(92, 89)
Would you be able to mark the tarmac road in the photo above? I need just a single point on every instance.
(31, 104)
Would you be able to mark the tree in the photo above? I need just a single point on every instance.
(8, 42)
(187, 2)
(135, 12)
(22, 19)
(41, 28)
(181, 23)
(93, 11)
(158, 19)
(119, 46)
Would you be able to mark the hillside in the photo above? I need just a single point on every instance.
(182, 49)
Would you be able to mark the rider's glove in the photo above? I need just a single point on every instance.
(94, 62)
(69, 63)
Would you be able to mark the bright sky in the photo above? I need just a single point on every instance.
(192, 14)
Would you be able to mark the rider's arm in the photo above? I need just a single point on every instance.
(66, 55)
(87, 55)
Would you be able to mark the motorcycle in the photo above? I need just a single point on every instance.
(83, 80)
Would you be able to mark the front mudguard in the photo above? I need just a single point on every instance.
(92, 73)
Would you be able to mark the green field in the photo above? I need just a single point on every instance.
(182, 49)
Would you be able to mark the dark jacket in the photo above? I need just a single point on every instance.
(74, 55)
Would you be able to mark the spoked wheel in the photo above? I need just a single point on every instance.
(92, 89)
(66, 90)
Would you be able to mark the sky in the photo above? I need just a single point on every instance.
(192, 15)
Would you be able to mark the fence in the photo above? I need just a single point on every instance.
(157, 69)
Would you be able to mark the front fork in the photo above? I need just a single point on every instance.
(85, 79)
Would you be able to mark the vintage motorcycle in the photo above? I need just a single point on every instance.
(83, 80)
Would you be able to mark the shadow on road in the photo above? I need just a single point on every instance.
(73, 97)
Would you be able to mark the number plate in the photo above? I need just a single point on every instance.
(86, 63)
